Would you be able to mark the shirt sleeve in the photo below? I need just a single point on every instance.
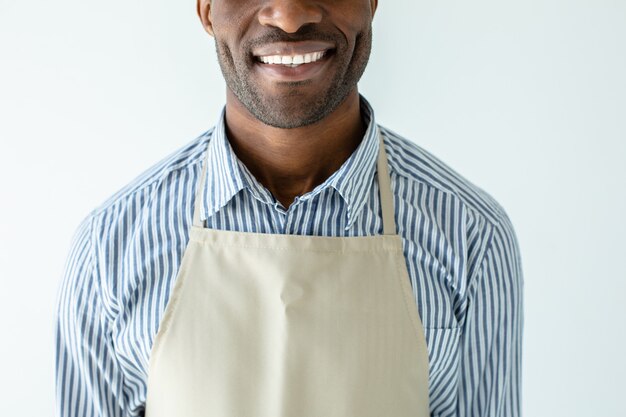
(491, 341)
(87, 376)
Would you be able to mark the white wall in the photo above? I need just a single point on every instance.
(527, 99)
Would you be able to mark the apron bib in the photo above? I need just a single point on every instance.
(271, 325)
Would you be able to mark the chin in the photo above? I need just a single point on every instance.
(289, 111)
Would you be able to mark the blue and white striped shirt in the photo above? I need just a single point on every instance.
(460, 248)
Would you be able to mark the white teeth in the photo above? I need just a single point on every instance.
(292, 60)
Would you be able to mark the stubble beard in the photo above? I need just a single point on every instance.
(294, 109)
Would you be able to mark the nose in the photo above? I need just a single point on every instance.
(289, 15)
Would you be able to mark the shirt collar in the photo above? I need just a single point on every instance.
(227, 175)
(223, 179)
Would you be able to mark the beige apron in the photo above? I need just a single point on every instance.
(271, 325)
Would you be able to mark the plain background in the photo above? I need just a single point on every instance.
(527, 99)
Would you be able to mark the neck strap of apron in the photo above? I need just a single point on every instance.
(199, 200)
(384, 185)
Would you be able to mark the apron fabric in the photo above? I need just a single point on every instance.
(271, 325)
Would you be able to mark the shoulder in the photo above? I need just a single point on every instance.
(470, 218)
(134, 217)
(125, 208)
(186, 158)
(420, 168)
(146, 199)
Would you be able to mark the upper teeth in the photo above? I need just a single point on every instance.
(292, 59)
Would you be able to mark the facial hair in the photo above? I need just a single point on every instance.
(294, 109)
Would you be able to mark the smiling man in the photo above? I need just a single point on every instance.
(295, 260)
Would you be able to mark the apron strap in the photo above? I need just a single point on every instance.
(199, 203)
(384, 186)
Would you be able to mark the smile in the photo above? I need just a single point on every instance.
(292, 60)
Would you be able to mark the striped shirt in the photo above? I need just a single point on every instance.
(460, 248)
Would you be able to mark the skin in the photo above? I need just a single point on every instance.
(291, 135)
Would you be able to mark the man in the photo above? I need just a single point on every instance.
(296, 259)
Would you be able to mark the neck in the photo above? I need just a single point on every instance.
(292, 162)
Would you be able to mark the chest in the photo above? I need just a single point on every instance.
(432, 250)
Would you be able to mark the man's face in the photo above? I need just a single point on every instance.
(292, 62)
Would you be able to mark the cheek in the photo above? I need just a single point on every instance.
(353, 25)
(232, 18)
(227, 46)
